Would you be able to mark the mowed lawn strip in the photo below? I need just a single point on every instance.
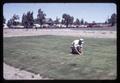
(50, 56)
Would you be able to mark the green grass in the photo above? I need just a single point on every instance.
(50, 56)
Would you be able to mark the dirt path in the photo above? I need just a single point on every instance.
(15, 73)
(12, 73)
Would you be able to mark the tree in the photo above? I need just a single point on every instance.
(24, 20)
(109, 20)
(41, 17)
(10, 22)
(50, 21)
(86, 22)
(77, 22)
(13, 21)
(71, 20)
(28, 20)
(36, 21)
(62, 21)
(113, 19)
(105, 22)
(57, 21)
(15, 17)
(93, 22)
(67, 19)
(82, 21)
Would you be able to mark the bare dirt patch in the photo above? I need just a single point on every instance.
(63, 32)
(12, 73)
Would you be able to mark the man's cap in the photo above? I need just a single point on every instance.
(81, 39)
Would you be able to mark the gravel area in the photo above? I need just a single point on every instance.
(12, 73)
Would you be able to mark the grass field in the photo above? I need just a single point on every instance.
(50, 56)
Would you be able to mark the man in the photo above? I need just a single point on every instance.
(77, 46)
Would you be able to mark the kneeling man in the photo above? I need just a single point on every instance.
(77, 46)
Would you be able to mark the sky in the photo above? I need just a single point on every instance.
(98, 12)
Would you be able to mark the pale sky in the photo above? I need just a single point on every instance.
(98, 12)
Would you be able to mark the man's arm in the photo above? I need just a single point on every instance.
(77, 51)
(81, 48)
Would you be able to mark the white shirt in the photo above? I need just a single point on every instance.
(75, 43)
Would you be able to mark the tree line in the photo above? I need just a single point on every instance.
(28, 21)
